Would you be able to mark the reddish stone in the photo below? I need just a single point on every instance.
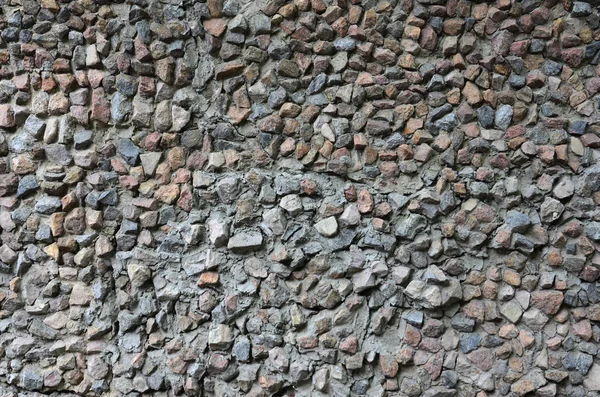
(81, 114)
(501, 161)
(365, 201)
(405, 152)
(100, 106)
(307, 341)
(583, 329)
(360, 141)
(215, 27)
(364, 79)
(229, 69)
(354, 14)
(272, 124)
(519, 48)
(389, 169)
(147, 86)
(434, 365)
(129, 182)
(389, 365)
(514, 131)
(589, 274)
(412, 336)
(185, 200)
(548, 302)
(349, 345)
(405, 356)
(482, 358)
(218, 362)
(167, 194)
(21, 82)
(196, 160)
(308, 186)
(48, 82)
(356, 32)
(546, 153)
(350, 193)
(7, 118)
(573, 56)
(590, 140)
(208, 279)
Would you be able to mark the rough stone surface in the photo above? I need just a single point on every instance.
(299, 198)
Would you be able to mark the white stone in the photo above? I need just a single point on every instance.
(91, 56)
(327, 227)
(218, 232)
(350, 216)
(138, 274)
(327, 132)
(592, 381)
(292, 204)
(219, 338)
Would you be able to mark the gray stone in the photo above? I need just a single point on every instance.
(485, 115)
(244, 241)
(27, 185)
(128, 151)
(59, 154)
(260, 23)
(83, 139)
(592, 230)
(7, 254)
(503, 117)
(551, 210)
(150, 162)
(35, 126)
(512, 311)
(563, 189)
(411, 226)
(581, 9)
(218, 232)
(120, 108)
(317, 84)
(344, 44)
(592, 381)
(517, 221)
(32, 379)
(47, 205)
(350, 216)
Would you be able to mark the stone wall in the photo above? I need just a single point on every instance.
(306, 198)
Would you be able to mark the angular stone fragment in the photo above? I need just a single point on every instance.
(219, 337)
(327, 227)
(218, 232)
(245, 241)
(512, 311)
(229, 69)
(411, 226)
(547, 301)
(592, 380)
(292, 204)
(138, 274)
(128, 151)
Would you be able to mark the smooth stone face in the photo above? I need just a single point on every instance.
(245, 241)
(327, 227)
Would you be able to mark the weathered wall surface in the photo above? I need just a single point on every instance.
(306, 198)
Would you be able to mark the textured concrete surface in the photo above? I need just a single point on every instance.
(306, 198)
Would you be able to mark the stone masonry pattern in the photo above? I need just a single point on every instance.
(299, 198)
